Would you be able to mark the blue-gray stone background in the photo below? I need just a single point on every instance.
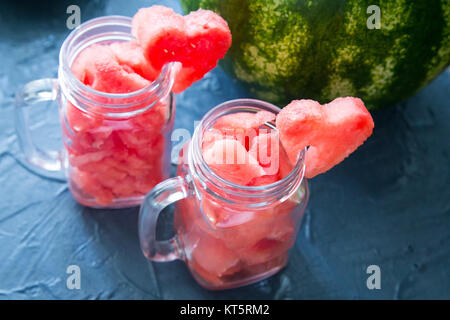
(386, 205)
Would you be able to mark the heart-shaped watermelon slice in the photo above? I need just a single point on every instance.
(197, 41)
(331, 131)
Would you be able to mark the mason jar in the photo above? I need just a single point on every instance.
(116, 146)
(262, 222)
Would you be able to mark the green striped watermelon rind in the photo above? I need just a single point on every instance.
(322, 49)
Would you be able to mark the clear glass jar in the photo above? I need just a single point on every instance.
(262, 222)
(117, 146)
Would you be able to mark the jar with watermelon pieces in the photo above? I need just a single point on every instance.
(116, 122)
(115, 86)
(240, 200)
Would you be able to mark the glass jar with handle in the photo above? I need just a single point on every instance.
(116, 146)
(258, 225)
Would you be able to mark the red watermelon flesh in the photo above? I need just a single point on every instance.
(243, 126)
(332, 131)
(243, 121)
(255, 237)
(265, 147)
(265, 238)
(87, 183)
(239, 148)
(122, 158)
(197, 41)
(213, 256)
(231, 161)
(263, 180)
(130, 54)
(115, 175)
(184, 78)
(208, 40)
(79, 120)
(98, 67)
(251, 238)
(161, 33)
(222, 218)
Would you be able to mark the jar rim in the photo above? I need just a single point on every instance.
(85, 35)
(280, 189)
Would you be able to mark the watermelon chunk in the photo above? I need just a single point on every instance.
(265, 148)
(81, 121)
(230, 160)
(130, 55)
(243, 126)
(332, 131)
(213, 256)
(262, 144)
(97, 66)
(243, 121)
(87, 183)
(197, 41)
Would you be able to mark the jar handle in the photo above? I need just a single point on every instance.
(45, 163)
(162, 195)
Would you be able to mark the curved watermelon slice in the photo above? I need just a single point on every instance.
(243, 120)
(130, 55)
(265, 148)
(332, 131)
(243, 126)
(197, 41)
(98, 67)
(213, 256)
(230, 160)
(81, 121)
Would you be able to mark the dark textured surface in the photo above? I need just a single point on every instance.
(388, 204)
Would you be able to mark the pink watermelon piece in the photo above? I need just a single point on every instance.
(87, 183)
(116, 158)
(161, 33)
(125, 187)
(246, 129)
(265, 148)
(130, 55)
(210, 136)
(263, 180)
(243, 121)
(265, 250)
(81, 121)
(153, 119)
(213, 256)
(222, 218)
(243, 126)
(332, 131)
(154, 149)
(87, 158)
(197, 41)
(97, 66)
(121, 158)
(240, 229)
(184, 78)
(264, 238)
(231, 161)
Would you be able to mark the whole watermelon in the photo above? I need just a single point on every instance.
(322, 49)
